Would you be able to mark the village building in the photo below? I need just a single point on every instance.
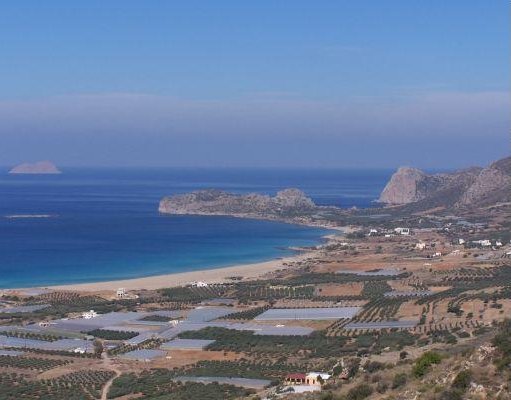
(295, 379)
(420, 246)
(316, 378)
(402, 231)
(121, 293)
(89, 314)
(199, 284)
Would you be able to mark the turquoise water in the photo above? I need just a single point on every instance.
(103, 224)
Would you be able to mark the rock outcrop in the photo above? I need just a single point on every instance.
(492, 185)
(287, 203)
(41, 167)
(407, 185)
(465, 188)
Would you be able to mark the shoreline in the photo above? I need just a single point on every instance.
(210, 275)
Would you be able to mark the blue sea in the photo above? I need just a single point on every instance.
(103, 224)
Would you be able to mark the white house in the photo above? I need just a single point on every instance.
(461, 241)
(420, 246)
(199, 284)
(89, 314)
(483, 243)
(121, 293)
(79, 350)
(402, 231)
(316, 378)
(498, 243)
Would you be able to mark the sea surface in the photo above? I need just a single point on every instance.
(90, 225)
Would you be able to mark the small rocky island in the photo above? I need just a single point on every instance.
(288, 204)
(40, 167)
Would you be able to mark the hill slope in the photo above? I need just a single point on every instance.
(465, 188)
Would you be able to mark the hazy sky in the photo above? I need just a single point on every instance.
(255, 83)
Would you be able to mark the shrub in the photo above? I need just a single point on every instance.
(360, 392)
(399, 380)
(462, 380)
(382, 387)
(424, 362)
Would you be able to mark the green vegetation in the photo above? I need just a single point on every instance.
(394, 340)
(264, 369)
(158, 384)
(82, 385)
(247, 314)
(502, 341)
(192, 294)
(423, 363)
(38, 364)
(360, 392)
(156, 318)
(317, 344)
(112, 335)
(31, 335)
(399, 380)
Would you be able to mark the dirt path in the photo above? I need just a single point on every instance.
(107, 363)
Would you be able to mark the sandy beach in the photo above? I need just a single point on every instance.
(216, 275)
(213, 275)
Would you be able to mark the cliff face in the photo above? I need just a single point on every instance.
(470, 187)
(41, 167)
(407, 185)
(286, 203)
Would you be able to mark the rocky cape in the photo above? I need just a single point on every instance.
(41, 167)
(472, 187)
(289, 205)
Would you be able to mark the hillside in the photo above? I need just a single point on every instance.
(473, 187)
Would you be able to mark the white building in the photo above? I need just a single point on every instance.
(121, 293)
(199, 284)
(316, 378)
(420, 246)
(402, 231)
(89, 314)
(483, 243)
(79, 350)
(461, 241)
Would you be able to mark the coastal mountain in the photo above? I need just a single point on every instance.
(286, 203)
(465, 188)
(41, 167)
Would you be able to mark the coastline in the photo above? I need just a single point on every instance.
(210, 276)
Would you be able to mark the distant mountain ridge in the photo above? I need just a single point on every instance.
(465, 188)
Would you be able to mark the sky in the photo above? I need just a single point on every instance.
(255, 84)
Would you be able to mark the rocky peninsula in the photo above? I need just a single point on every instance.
(289, 205)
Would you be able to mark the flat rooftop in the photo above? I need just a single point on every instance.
(143, 355)
(322, 313)
(186, 344)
